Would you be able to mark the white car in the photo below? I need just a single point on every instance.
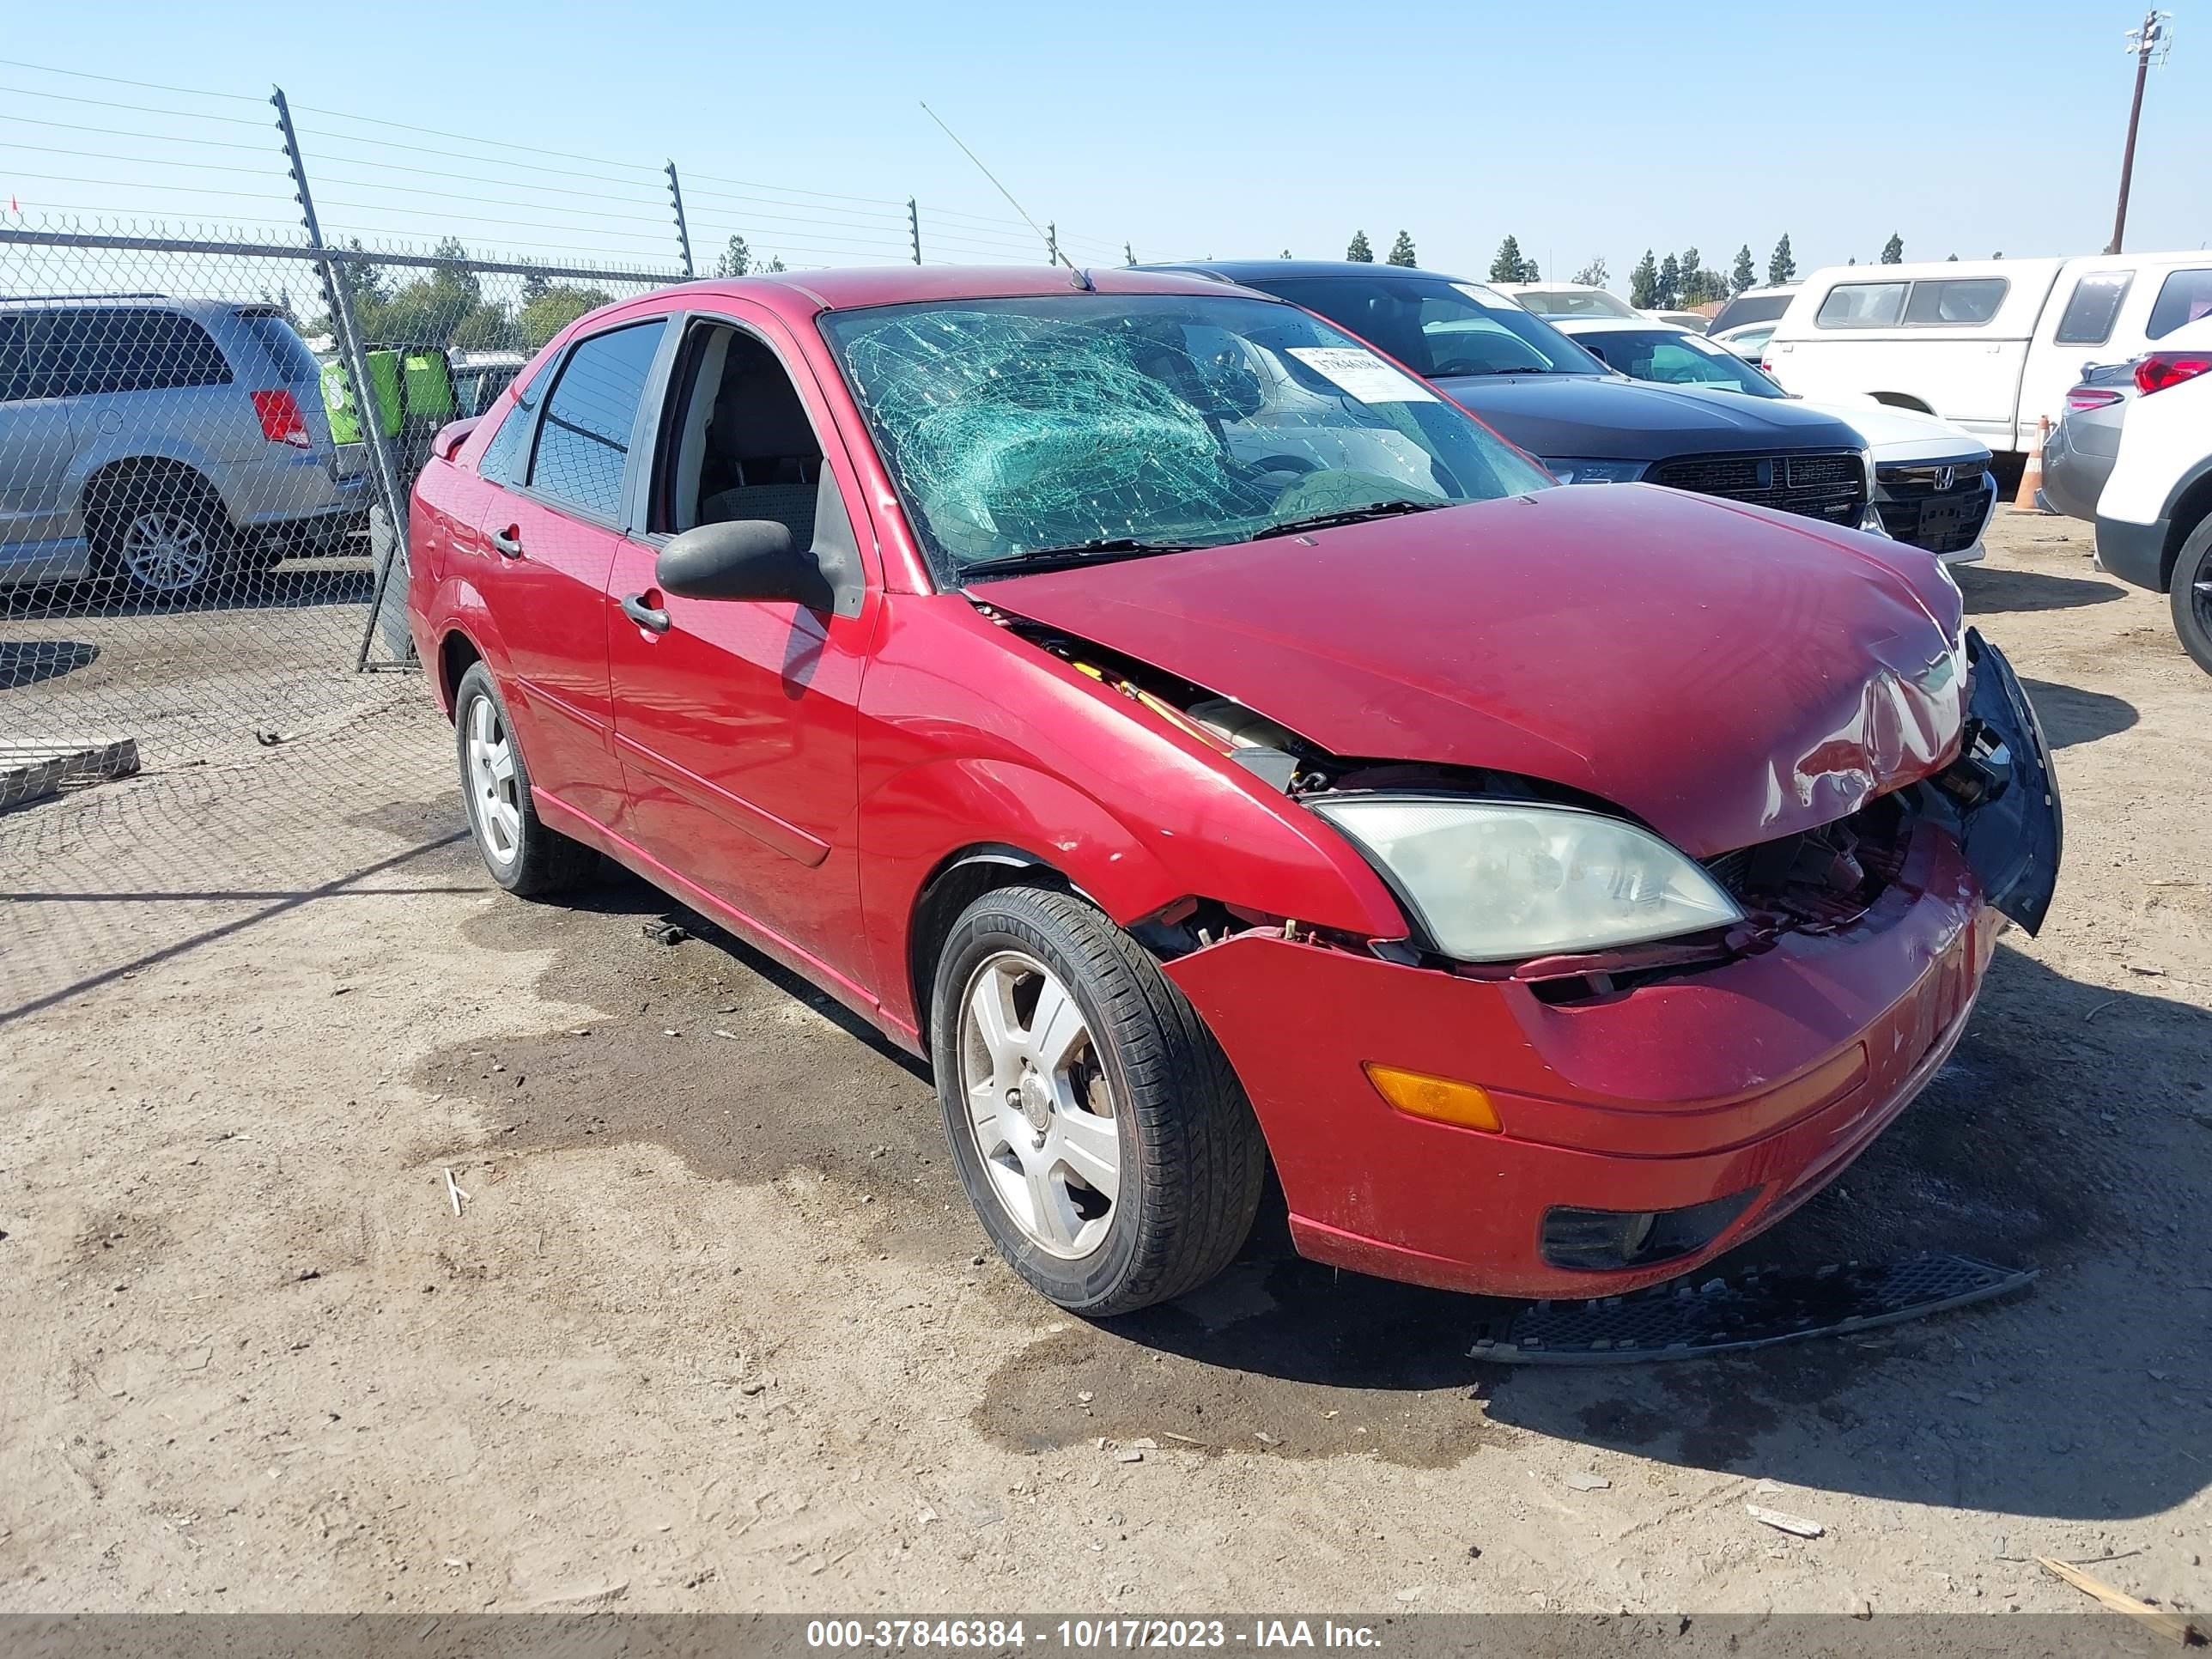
(1694, 322)
(2155, 518)
(1991, 345)
(1555, 300)
(1932, 487)
(1747, 340)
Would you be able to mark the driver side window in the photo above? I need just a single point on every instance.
(740, 443)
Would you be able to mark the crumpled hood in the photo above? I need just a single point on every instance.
(1726, 673)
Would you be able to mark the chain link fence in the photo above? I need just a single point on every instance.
(208, 700)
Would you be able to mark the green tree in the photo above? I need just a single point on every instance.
(1644, 283)
(1401, 250)
(1690, 289)
(1950, 258)
(1892, 251)
(1359, 252)
(1744, 274)
(1287, 253)
(1594, 275)
(1670, 283)
(1509, 267)
(1781, 265)
(560, 305)
(737, 259)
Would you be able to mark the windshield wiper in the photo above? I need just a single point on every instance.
(1517, 369)
(1106, 549)
(1347, 515)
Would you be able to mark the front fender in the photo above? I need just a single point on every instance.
(921, 817)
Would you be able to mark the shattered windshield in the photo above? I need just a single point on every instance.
(1123, 424)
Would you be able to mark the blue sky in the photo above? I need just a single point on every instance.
(1585, 130)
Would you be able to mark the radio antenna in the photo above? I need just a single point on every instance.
(1052, 244)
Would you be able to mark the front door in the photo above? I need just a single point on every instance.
(737, 720)
(549, 545)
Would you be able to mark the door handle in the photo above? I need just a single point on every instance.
(507, 543)
(636, 608)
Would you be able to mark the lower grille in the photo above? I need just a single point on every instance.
(1830, 487)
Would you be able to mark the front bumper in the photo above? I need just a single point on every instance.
(1766, 1076)
(1745, 1086)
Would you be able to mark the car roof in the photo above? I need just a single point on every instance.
(1548, 287)
(1261, 270)
(890, 285)
(146, 301)
(1617, 325)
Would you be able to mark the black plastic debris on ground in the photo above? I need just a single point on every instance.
(1755, 1309)
(666, 933)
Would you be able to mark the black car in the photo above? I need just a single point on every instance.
(1537, 387)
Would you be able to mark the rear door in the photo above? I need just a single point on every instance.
(36, 448)
(551, 538)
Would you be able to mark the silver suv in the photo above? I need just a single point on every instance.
(156, 441)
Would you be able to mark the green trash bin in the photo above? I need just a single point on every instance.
(413, 387)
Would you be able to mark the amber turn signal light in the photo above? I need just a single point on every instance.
(1441, 1099)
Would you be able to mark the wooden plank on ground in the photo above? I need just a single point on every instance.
(33, 771)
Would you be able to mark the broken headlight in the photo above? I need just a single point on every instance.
(1501, 881)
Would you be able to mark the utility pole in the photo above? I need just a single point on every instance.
(2150, 38)
(683, 230)
(913, 228)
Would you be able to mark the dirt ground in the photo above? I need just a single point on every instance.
(714, 1330)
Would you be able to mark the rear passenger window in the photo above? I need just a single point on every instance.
(1862, 305)
(89, 354)
(2184, 297)
(502, 460)
(1956, 302)
(2094, 308)
(583, 441)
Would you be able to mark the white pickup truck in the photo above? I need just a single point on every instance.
(1990, 345)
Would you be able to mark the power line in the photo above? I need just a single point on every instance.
(117, 81)
(470, 138)
(137, 109)
(150, 137)
(426, 149)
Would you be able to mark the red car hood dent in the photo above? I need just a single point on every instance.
(1726, 674)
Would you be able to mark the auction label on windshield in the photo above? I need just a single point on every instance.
(1364, 374)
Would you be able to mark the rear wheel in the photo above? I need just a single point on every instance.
(2192, 596)
(1103, 1141)
(523, 855)
(163, 535)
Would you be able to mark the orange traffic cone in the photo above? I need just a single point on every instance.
(2026, 498)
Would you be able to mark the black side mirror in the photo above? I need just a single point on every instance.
(742, 559)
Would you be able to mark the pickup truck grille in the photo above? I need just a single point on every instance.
(1938, 509)
(1829, 487)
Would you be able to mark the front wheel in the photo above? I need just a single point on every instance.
(2191, 597)
(523, 855)
(162, 537)
(1103, 1139)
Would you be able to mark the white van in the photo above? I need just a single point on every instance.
(1990, 345)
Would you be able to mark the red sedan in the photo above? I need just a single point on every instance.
(1212, 749)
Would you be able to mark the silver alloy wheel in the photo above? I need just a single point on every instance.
(165, 550)
(491, 784)
(1039, 1105)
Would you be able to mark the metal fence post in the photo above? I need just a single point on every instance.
(683, 230)
(383, 470)
(1051, 242)
(913, 228)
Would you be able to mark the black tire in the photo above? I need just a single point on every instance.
(2191, 595)
(1192, 1160)
(128, 524)
(540, 861)
(391, 609)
